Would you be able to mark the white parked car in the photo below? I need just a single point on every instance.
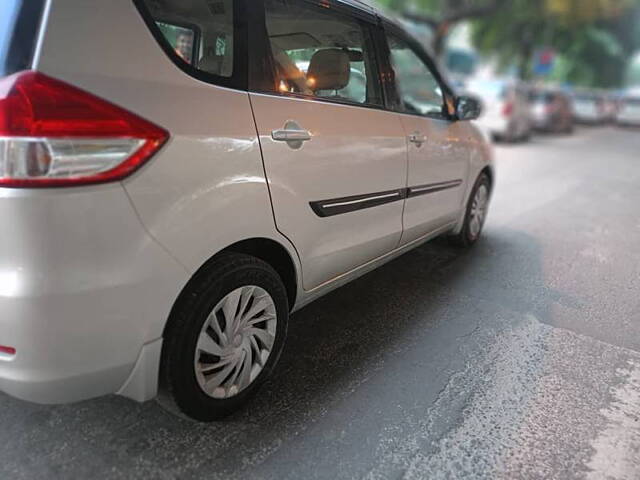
(506, 109)
(629, 111)
(173, 186)
(589, 107)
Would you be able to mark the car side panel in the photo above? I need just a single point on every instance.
(442, 159)
(353, 151)
(206, 188)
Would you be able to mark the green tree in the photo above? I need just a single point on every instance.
(442, 15)
(594, 38)
(594, 45)
(633, 75)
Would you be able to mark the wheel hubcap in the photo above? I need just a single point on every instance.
(478, 211)
(235, 342)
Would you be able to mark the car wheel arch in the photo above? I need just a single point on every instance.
(266, 249)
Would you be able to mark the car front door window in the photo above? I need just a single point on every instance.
(418, 90)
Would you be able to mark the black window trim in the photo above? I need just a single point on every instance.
(262, 75)
(239, 78)
(24, 34)
(392, 90)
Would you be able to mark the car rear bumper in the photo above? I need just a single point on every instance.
(542, 121)
(83, 288)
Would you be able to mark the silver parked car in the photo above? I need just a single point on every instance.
(173, 185)
(551, 110)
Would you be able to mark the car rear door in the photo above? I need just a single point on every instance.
(334, 158)
(438, 150)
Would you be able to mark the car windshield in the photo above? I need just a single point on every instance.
(19, 25)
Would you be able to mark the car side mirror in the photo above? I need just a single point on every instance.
(468, 108)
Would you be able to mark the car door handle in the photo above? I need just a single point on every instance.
(418, 139)
(292, 133)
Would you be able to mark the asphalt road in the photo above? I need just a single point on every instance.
(518, 359)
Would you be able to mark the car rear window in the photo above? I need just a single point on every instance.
(19, 27)
(542, 97)
(195, 33)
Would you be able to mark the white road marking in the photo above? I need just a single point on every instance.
(537, 405)
(617, 448)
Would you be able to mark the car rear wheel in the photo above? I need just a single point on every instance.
(224, 337)
(476, 213)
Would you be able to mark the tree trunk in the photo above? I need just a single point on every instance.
(524, 67)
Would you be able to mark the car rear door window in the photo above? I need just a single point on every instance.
(198, 33)
(321, 54)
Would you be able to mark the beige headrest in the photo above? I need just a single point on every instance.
(329, 69)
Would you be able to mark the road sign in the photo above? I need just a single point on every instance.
(544, 62)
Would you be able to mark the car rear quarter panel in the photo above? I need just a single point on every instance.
(206, 189)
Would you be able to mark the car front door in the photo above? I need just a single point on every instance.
(438, 147)
(335, 160)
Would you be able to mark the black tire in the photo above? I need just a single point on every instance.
(465, 239)
(211, 284)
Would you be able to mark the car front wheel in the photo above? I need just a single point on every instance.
(476, 213)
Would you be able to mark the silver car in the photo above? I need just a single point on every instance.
(173, 185)
(551, 110)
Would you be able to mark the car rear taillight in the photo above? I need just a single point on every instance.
(507, 110)
(53, 134)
